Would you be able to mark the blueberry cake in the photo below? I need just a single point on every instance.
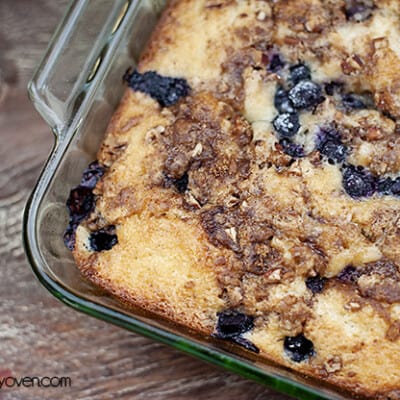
(248, 185)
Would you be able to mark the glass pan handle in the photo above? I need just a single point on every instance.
(76, 51)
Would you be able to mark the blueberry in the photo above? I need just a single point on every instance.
(316, 284)
(389, 186)
(329, 144)
(92, 174)
(292, 149)
(335, 151)
(299, 72)
(396, 187)
(80, 203)
(353, 101)
(232, 323)
(103, 239)
(166, 90)
(181, 183)
(275, 63)
(298, 348)
(358, 10)
(358, 182)
(69, 236)
(306, 94)
(348, 275)
(282, 102)
(328, 132)
(384, 186)
(287, 125)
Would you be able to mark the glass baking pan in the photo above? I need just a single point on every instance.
(76, 89)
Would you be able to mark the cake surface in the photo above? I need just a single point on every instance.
(248, 184)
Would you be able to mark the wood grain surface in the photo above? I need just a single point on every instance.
(39, 336)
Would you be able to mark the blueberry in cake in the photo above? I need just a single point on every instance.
(248, 185)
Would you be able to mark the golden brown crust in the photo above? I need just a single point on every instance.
(254, 223)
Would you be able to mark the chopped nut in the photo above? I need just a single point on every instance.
(232, 233)
(352, 65)
(93, 225)
(315, 23)
(190, 199)
(153, 133)
(380, 43)
(261, 15)
(274, 275)
(291, 40)
(333, 364)
(150, 137)
(197, 150)
(232, 201)
(223, 87)
(374, 133)
(160, 129)
(352, 306)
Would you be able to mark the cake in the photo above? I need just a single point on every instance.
(248, 185)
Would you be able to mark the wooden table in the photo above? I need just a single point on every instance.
(39, 336)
